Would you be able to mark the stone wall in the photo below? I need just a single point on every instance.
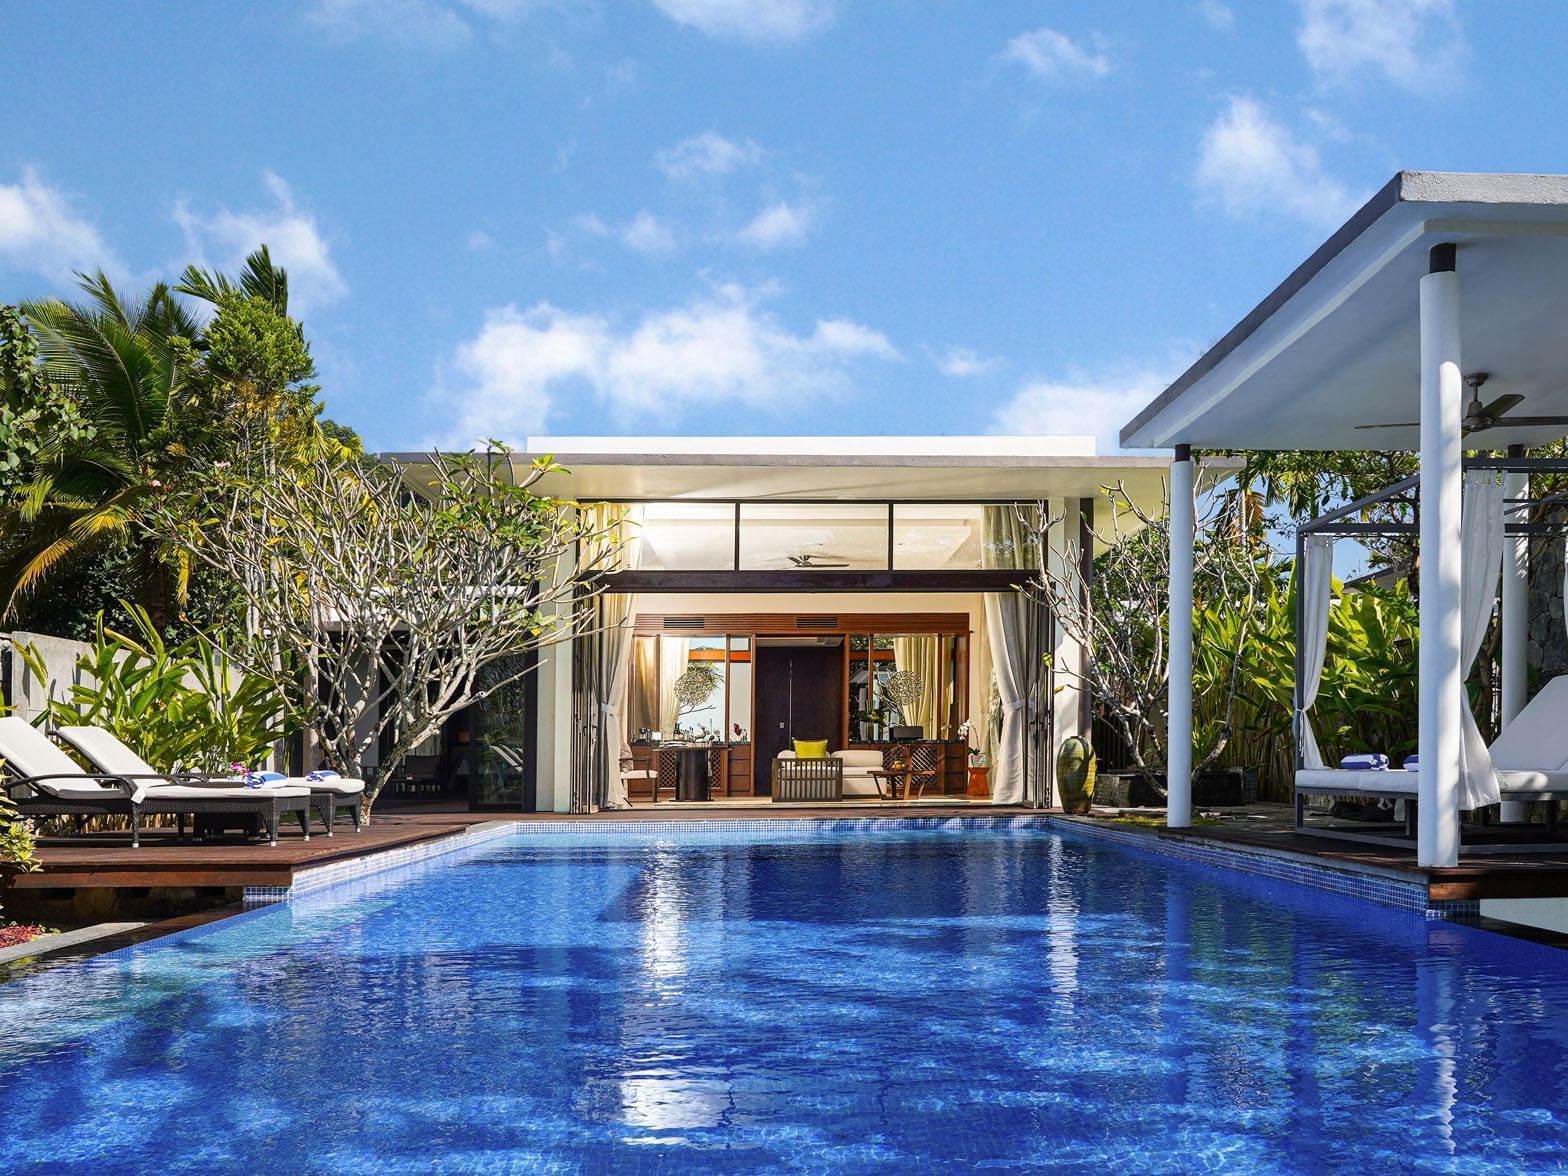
(1548, 633)
(25, 693)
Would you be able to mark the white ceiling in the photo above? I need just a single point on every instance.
(1339, 344)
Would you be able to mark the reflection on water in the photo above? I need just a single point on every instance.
(913, 1000)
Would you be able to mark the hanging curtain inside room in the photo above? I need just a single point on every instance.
(1317, 591)
(619, 547)
(1480, 566)
(645, 686)
(922, 657)
(1007, 543)
(674, 657)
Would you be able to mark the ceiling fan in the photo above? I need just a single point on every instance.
(816, 559)
(1480, 417)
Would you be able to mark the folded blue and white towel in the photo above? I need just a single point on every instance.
(264, 779)
(322, 774)
(1412, 762)
(1374, 761)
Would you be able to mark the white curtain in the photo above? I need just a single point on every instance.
(674, 657)
(1480, 564)
(1007, 543)
(1004, 622)
(1317, 591)
(918, 655)
(619, 614)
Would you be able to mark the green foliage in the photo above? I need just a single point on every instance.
(38, 417)
(178, 705)
(18, 848)
(116, 405)
(1366, 700)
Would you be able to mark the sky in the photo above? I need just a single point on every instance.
(514, 217)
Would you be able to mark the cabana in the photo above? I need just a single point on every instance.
(1368, 332)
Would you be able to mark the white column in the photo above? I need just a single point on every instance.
(1515, 621)
(1441, 678)
(1178, 737)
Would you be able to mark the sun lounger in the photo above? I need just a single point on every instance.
(108, 753)
(45, 782)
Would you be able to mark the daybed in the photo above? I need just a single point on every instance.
(1531, 756)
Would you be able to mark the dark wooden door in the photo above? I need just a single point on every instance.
(800, 695)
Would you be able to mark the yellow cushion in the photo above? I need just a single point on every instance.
(811, 749)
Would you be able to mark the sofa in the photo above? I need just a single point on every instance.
(856, 769)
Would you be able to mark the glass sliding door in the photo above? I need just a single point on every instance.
(500, 742)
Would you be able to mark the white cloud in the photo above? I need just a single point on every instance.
(962, 363)
(1219, 17)
(413, 24)
(756, 21)
(777, 226)
(1416, 44)
(1054, 56)
(1100, 405)
(480, 241)
(1252, 166)
(707, 154)
(41, 231)
(646, 233)
(224, 237)
(718, 348)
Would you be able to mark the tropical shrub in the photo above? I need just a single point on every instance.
(178, 705)
(1366, 700)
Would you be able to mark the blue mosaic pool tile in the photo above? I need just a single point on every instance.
(1383, 887)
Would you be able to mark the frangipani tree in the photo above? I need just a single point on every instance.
(1120, 613)
(384, 610)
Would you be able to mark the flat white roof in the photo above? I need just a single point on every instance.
(1337, 344)
(828, 469)
(802, 447)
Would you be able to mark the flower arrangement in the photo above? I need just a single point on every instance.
(967, 732)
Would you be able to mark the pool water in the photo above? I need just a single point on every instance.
(895, 998)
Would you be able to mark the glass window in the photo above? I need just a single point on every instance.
(687, 537)
(959, 535)
(785, 536)
(691, 686)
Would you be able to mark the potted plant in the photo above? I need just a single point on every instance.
(979, 766)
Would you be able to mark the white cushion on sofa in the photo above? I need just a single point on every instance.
(859, 762)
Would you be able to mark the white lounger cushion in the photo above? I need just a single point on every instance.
(1344, 781)
(110, 754)
(341, 785)
(223, 791)
(27, 751)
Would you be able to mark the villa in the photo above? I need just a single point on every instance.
(804, 572)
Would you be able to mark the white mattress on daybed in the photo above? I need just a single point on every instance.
(1398, 782)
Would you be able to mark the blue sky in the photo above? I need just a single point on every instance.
(506, 217)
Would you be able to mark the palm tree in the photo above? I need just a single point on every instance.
(123, 359)
(260, 279)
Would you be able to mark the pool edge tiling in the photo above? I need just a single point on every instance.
(1368, 883)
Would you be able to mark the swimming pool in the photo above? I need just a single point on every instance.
(888, 997)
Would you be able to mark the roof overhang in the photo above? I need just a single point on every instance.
(1337, 344)
(832, 469)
